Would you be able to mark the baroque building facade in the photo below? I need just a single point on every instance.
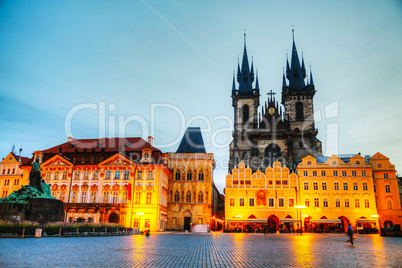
(117, 180)
(274, 133)
(11, 174)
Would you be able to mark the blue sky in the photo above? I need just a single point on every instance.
(56, 56)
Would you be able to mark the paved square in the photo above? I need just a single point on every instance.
(203, 250)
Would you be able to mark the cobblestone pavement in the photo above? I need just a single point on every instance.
(203, 250)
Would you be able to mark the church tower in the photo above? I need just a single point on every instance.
(297, 97)
(245, 101)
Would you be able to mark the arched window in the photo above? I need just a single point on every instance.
(200, 197)
(177, 176)
(201, 175)
(177, 196)
(272, 154)
(299, 111)
(246, 113)
(189, 175)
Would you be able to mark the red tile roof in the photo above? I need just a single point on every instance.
(110, 145)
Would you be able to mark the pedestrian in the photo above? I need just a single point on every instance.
(350, 234)
(265, 230)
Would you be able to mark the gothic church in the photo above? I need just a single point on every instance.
(283, 132)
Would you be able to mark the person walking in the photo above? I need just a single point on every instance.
(350, 234)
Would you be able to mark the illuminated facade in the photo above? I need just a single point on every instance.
(118, 180)
(387, 191)
(191, 189)
(254, 201)
(11, 174)
(337, 192)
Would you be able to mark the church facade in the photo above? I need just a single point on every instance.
(275, 131)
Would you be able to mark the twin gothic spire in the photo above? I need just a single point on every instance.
(295, 73)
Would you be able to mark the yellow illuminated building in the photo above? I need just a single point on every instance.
(336, 193)
(11, 174)
(254, 201)
(386, 191)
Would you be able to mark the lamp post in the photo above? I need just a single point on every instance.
(301, 223)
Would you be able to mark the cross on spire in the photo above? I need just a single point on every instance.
(271, 93)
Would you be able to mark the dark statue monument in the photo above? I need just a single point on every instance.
(33, 202)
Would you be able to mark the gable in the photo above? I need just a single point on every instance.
(57, 161)
(117, 160)
(10, 158)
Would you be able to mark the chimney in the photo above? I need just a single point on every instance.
(151, 140)
(70, 139)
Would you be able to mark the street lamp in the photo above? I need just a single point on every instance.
(301, 223)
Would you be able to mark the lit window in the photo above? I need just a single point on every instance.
(346, 202)
(324, 186)
(281, 202)
(147, 223)
(305, 186)
(307, 202)
(149, 198)
(241, 200)
(77, 175)
(357, 203)
(174, 222)
(138, 197)
(106, 197)
(389, 204)
(387, 188)
(366, 203)
(95, 175)
(136, 223)
(271, 202)
(117, 175)
(74, 199)
(336, 186)
(355, 186)
(150, 174)
(325, 202)
(125, 195)
(337, 202)
(139, 174)
(291, 202)
(232, 201)
(316, 202)
(315, 186)
(83, 197)
(345, 186)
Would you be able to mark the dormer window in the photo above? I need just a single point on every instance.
(146, 155)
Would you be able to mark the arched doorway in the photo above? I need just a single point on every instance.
(345, 223)
(273, 223)
(114, 218)
(187, 220)
(388, 224)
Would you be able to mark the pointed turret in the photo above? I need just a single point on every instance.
(257, 85)
(238, 70)
(311, 77)
(284, 80)
(296, 79)
(287, 66)
(245, 83)
(234, 83)
(303, 68)
(252, 70)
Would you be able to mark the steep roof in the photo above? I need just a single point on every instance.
(109, 144)
(192, 141)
